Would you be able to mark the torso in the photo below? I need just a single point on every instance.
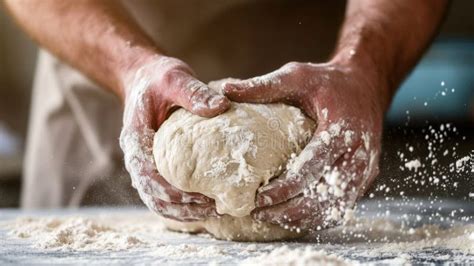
(240, 38)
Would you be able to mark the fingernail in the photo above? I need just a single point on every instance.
(228, 87)
(202, 200)
(264, 200)
(214, 213)
(198, 199)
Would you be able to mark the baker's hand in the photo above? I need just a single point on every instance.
(323, 182)
(152, 92)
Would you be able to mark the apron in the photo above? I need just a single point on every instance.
(72, 153)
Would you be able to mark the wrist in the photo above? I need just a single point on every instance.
(133, 61)
(145, 67)
(364, 67)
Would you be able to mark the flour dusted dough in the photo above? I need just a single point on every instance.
(234, 228)
(228, 158)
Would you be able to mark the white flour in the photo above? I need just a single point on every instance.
(413, 165)
(367, 237)
(96, 233)
(388, 236)
(184, 251)
(303, 256)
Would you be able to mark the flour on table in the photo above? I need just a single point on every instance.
(302, 256)
(389, 236)
(100, 233)
(371, 238)
(183, 251)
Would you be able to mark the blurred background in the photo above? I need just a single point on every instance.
(439, 91)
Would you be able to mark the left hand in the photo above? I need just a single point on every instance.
(340, 161)
(154, 89)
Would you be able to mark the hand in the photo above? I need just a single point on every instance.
(323, 182)
(151, 94)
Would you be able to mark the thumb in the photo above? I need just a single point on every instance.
(196, 97)
(268, 88)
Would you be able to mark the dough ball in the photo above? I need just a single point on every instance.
(227, 158)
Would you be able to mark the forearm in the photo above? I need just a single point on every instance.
(386, 38)
(98, 37)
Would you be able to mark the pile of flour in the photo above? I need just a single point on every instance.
(78, 233)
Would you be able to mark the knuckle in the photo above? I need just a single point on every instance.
(298, 68)
(198, 89)
(171, 76)
(293, 65)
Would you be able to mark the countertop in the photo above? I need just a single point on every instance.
(14, 250)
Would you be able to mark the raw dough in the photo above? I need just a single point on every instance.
(235, 229)
(228, 158)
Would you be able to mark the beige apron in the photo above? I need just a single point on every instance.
(72, 154)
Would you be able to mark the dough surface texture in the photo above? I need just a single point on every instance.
(227, 158)
(235, 229)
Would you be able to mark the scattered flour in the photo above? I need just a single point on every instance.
(462, 162)
(389, 237)
(413, 165)
(184, 251)
(302, 256)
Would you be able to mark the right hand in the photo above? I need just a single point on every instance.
(341, 160)
(152, 91)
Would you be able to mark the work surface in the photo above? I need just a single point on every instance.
(176, 248)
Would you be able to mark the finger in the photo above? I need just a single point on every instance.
(341, 185)
(299, 213)
(178, 211)
(195, 96)
(359, 167)
(337, 191)
(327, 145)
(136, 140)
(302, 213)
(370, 172)
(152, 183)
(286, 212)
(218, 85)
(353, 167)
(139, 161)
(268, 88)
(320, 216)
(282, 188)
(310, 211)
